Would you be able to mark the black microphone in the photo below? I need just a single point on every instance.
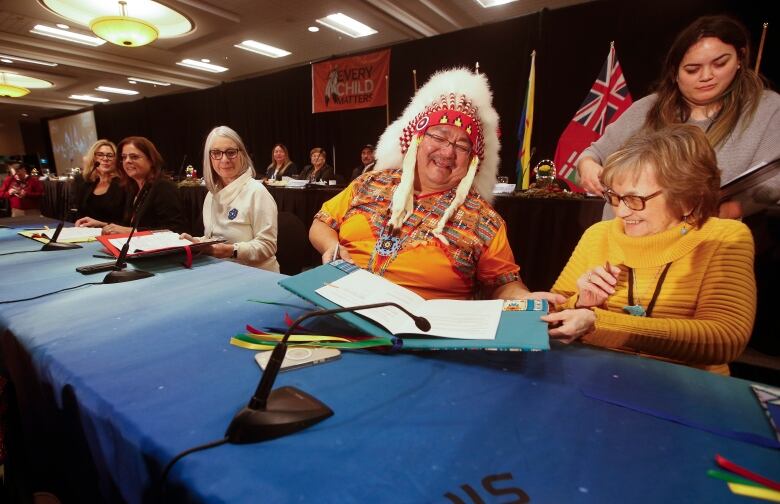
(271, 414)
(54, 245)
(120, 274)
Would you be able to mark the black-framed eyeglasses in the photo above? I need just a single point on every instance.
(106, 155)
(443, 143)
(216, 154)
(632, 201)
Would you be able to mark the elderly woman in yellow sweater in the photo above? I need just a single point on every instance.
(665, 278)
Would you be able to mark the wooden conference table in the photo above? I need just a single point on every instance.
(112, 381)
(542, 231)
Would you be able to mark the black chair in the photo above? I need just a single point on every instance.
(292, 243)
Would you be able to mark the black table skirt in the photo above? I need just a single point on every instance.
(542, 231)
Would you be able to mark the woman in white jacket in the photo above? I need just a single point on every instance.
(237, 208)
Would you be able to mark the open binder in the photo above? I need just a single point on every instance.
(519, 328)
(169, 244)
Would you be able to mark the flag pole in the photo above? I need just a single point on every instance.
(761, 46)
(414, 79)
(387, 100)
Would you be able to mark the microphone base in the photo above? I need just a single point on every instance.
(287, 410)
(59, 246)
(119, 276)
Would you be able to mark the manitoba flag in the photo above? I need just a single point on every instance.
(607, 100)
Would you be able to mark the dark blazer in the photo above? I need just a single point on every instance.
(109, 207)
(160, 207)
(325, 174)
(291, 171)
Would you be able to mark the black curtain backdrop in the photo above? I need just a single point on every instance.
(571, 44)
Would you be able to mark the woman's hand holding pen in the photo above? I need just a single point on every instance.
(596, 285)
(336, 252)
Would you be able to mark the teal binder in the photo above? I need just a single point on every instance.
(518, 329)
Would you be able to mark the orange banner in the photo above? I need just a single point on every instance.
(350, 83)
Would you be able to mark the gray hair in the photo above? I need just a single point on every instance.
(213, 183)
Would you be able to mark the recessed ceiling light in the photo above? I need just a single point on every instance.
(313, 29)
(88, 98)
(6, 60)
(264, 49)
(200, 65)
(346, 25)
(25, 114)
(70, 36)
(109, 89)
(492, 3)
(63, 26)
(205, 60)
(27, 60)
(133, 80)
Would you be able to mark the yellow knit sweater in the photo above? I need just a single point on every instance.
(704, 313)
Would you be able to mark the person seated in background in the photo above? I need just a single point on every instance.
(23, 191)
(367, 161)
(280, 166)
(423, 217)
(318, 170)
(103, 193)
(237, 208)
(152, 196)
(665, 278)
(707, 81)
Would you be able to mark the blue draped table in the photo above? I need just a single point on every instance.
(112, 381)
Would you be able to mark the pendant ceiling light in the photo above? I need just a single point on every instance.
(124, 30)
(9, 90)
(127, 23)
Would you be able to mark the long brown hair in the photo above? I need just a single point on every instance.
(146, 146)
(740, 98)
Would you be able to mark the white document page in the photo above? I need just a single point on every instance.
(154, 241)
(73, 233)
(449, 318)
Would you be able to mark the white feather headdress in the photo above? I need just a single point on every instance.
(461, 82)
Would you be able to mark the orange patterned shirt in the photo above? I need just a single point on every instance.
(478, 255)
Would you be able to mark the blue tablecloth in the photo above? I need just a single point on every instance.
(143, 370)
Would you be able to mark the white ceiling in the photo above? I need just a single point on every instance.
(219, 24)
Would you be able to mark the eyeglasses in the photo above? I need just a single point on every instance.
(101, 155)
(131, 157)
(217, 154)
(443, 143)
(632, 201)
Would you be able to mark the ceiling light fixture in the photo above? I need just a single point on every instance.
(109, 89)
(6, 60)
(62, 26)
(128, 23)
(27, 60)
(346, 25)
(9, 90)
(88, 98)
(133, 80)
(70, 36)
(313, 29)
(124, 30)
(199, 65)
(264, 49)
(492, 3)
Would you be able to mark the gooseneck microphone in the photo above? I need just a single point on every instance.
(53, 244)
(275, 413)
(120, 274)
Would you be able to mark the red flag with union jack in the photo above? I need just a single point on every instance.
(607, 99)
